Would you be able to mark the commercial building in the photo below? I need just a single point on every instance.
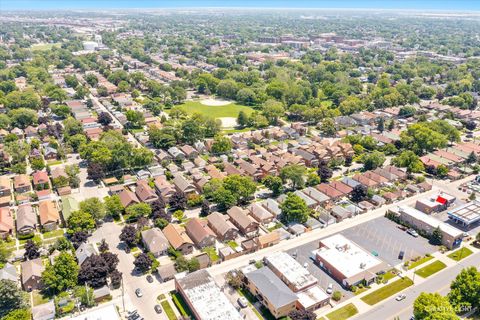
(204, 297)
(346, 261)
(451, 236)
(295, 276)
(435, 203)
(467, 214)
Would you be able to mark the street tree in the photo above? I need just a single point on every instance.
(143, 262)
(129, 235)
(433, 306)
(294, 209)
(465, 289)
(62, 274)
(94, 207)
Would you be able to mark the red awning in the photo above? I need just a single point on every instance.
(441, 200)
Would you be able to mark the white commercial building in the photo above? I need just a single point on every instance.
(104, 313)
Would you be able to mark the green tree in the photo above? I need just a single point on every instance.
(62, 274)
(433, 306)
(225, 199)
(135, 118)
(408, 159)
(373, 160)
(11, 297)
(80, 221)
(437, 236)
(293, 174)
(442, 171)
(294, 209)
(273, 110)
(242, 187)
(465, 289)
(113, 205)
(328, 127)
(94, 207)
(85, 295)
(18, 314)
(242, 119)
(23, 117)
(221, 145)
(138, 210)
(274, 183)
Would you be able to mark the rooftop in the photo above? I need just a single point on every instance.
(431, 221)
(468, 213)
(293, 272)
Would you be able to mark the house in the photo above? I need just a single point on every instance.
(166, 272)
(69, 205)
(21, 183)
(40, 180)
(49, 216)
(5, 188)
(155, 241)
(32, 274)
(6, 223)
(223, 228)
(340, 213)
(243, 221)
(178, 238)
(101, 294)
(342, 187)
(50, 153)
(267, 240)
(319, 197)
(260, 214)
(127, 198)
(190, 152)
(176, 153)
(83, 252)
(26, 219)
(183, 185)
(45, 311)
(8, 272)
(144, 192)
(164, 188)
(273, 294)
(200, 233)
(272, 206)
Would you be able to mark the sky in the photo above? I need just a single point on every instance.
(456, 5)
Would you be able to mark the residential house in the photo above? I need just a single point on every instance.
(272, 206)
(222, 227)
(330, 191)
(8, 272)
(21, 183)
(260, 214)
(44, 311)
(167, 272)
(267, 240)
(200, 233)
(26, 219)
(183, 185)
(49, 216)
(178, 238)
(155, 241)
(190, 152)
(40, 180)
(6, 223)
(32, 274)
(83, 252)
(176, 153)
(240, 218)
(127, 198)
(164, 188)
(5, 188)
(342, 187)
(144, 192)
(319, 197)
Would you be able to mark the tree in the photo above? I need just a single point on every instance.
(104, 118)
(294, 209)
(31, 250)
(94, 271)
(4, 253)
(143, 262)
(138, 210)
(103, 247)
(85, 295)
(95, 171)
(373, 160)
(178, 201)
(381, 125)
(437, 236)
(116, 278)
(224, 198)
(313, 179)
(302, 315)
(246, 96)
(359, 193)
(205, 210)
(433, 306)
(472, 158)
(62, 274)
(294, 175)
(274, 183)
(242, 119)
(408, 159)
(94, 207)
(328, 127)
(221, 145)
(18, 314)
(60, 110)
(242, 187)
(129, 235)
(11, 297)
(80, 221)
(78, 238)
(135, 118)
(442, 171)
(272, 110)
(465, 289)
(113, 205)
(324, 172)
(23, 117)
(111, 259)
(193, 264)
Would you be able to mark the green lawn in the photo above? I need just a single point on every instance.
(419, 262)
(387, 291)
(432, 268)
(460, 254)
(232, 244)
(229, 110)
(343, 313)
(168, 310)
(44, 46)
(390, 274)
(53, 234)
(38, 298)
(181, 305)
(212, 253)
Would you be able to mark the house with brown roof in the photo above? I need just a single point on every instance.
(178, 238)
(399, 173)
(375, 177)
(240, 218)
(222, 227)
(40, 180)
(200, 233)
(189, 151)
(127, 198)
(369, 183)
(331, 192)
(21, 183)
(267, 240)
(164, 188)
(5, 188)
(342, 187)
(32, 274)
(26, 219)
(155, 241)
(183, 185)
(6, 223)
(144, 192)
(49, 216)
(260, 214)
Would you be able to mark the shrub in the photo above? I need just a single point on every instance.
(337, 295)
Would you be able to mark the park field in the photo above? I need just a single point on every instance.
(44, 46)
(230, 110)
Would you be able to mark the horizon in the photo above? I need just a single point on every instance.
(58, 5)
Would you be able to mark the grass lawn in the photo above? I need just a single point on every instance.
(387, 291)
(229, 110)
(460, 254)
(44, 46)
(432, 268)
(181, 305)
(53, 234)
(390, 274)
(419, 262)
(54, 162)
(168, 310)
(212, 253)
(36, 238)
(38, 298)
(232, 244)
(344, 312)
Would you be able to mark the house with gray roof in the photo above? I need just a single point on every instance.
(155, 241)
(44, 311)
(275, 295)
(8, 272)
(83, 252)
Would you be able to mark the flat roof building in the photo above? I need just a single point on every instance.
(295, 276)
(466, 214)
(204, 297)
(346, 261)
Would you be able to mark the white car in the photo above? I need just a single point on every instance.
(330, 288)
(305, 265)
(242, 302)
(400, 297)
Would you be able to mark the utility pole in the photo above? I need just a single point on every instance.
(123, 293)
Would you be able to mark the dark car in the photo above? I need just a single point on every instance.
(158, 309)
(149, 279)
(401, 254)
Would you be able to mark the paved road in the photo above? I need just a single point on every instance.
(390, 308)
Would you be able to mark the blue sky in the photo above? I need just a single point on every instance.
(467, 5)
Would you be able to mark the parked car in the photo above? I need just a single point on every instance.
(149, 279)
(401, 254)
(305, 265)
(412, 232)
(242, 302)
(330, 288)
(400, 297)
(139, 293)
(158, 309)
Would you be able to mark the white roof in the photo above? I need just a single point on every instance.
(346, 256)
(431, 221)
(468, 213)
(291, 270)
(105, 313)
(312, 296)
